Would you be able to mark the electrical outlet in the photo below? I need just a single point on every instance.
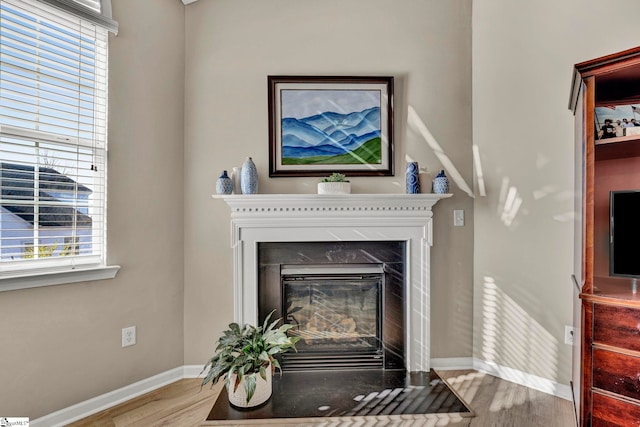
(458, 218)
(568, 335)
(128, 336)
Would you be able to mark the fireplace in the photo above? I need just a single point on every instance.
(337, 221)
(337, 315)
(345, 299)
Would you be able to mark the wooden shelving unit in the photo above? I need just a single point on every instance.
(610, 311)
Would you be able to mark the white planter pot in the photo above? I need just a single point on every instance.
(263, 391)
(334, 188)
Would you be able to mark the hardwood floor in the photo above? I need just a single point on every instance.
(181, 404)
(499, 403)
(496, 403)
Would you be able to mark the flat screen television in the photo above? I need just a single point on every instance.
(624, 233)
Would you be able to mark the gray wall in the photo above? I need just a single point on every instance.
(61, 344)
(523, 57)
(231, 48)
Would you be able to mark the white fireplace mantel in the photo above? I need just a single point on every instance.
(260, 218)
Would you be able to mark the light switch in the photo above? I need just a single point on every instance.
(458, 218)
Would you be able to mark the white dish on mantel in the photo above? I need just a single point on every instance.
(334, 188)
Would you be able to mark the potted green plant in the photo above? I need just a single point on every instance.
(336, 183)
(244, 357)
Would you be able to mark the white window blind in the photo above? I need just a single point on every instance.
(53, 115)
(96, 11)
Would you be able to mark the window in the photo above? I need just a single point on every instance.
(53, 117)
(72, 245)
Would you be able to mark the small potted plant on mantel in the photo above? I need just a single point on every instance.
(244, 357)
(336, 183)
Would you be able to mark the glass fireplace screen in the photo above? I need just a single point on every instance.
(334, 312)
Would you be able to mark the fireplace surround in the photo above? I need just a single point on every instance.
(335, 219)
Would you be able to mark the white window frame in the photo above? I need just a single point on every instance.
(54, 273)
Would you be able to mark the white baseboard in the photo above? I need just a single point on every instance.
(192, 371)
(452, 363)
(89, 407)
(107, 400)
(523, 378)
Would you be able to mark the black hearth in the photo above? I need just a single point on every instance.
(346, 300)
(385, 396)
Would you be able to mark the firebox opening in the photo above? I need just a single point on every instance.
(346, 300)
(336, 310)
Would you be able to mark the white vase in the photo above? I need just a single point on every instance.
(236, 177)
(238, 398)
(334, 188)
(425, 181)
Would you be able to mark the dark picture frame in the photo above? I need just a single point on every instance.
(324, 124)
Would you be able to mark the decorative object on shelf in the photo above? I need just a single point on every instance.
(321, 124)
(616, 120)
(236, 178)
(411, 177)
(245, 359)
(249, 177)
(441, 183)
(425, 181)
(336, 183)
(224, 184)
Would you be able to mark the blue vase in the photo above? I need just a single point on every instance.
(441, 183)
(413, 183)
(224, 185)
(249, 177)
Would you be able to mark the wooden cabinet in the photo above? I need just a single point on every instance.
(609, 349)
(616, 372)
(610, 411)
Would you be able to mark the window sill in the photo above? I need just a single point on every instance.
(50, 278)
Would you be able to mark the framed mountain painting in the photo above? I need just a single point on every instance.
(321, 125)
